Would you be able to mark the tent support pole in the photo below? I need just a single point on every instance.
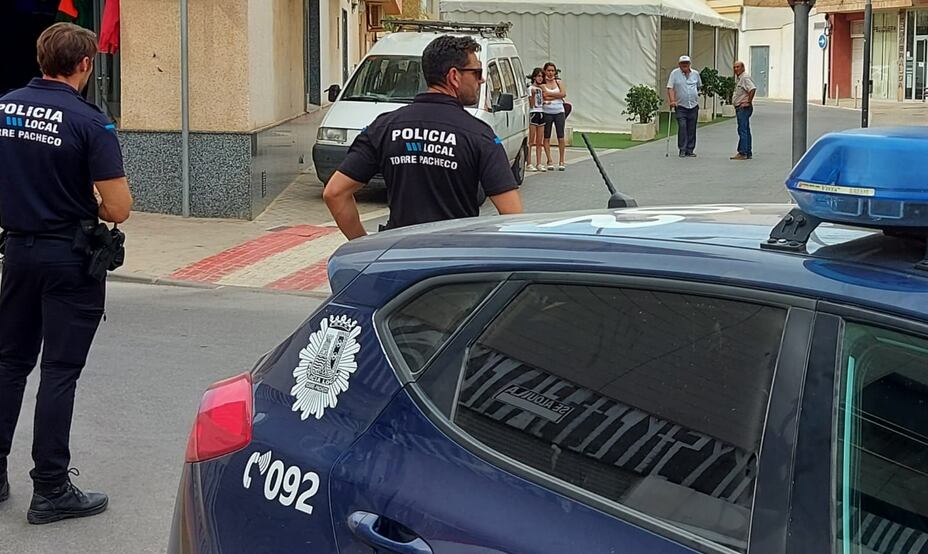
(689, 43)
(660, 52)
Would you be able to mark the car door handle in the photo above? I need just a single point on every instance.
(364, 526)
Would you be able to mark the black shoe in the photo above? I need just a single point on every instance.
(65, 502)
(4, 487)
(682, 154)
(691, 155)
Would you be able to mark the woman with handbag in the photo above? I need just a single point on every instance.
(556, 109)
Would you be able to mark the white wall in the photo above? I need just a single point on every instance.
(773, 27)
(329, 33)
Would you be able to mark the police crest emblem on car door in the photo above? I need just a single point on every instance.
(326, 364)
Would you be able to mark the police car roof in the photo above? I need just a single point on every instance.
(412, 43)
(719, 243)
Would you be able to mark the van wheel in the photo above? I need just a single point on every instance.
(518, 166)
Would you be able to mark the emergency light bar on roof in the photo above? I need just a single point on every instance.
(872, 178)
(500, 30)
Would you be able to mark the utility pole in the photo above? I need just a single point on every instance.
(868, 33)
(801, 9)
(184, 111)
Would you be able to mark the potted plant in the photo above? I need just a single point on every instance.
(709, 89)
(726, 89)
(641, 103)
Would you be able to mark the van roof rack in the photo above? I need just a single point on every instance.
(500, 29)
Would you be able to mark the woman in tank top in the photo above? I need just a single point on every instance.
(554, 93)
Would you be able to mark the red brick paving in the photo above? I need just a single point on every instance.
(309, 278)
(216, 267)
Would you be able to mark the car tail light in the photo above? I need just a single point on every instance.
(223, 423)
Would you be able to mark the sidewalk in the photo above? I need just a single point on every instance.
(884, 113)
(285, 248)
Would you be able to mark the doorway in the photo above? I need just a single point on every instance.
(760, 69)
(344, 47)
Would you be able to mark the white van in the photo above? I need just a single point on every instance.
(390, 76)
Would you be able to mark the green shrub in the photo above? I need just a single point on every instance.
(710, 82)
(726, 88)
(641, 103)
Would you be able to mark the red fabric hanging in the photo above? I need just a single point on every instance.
(68, 7)
(109, 27)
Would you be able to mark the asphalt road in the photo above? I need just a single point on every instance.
(153, 358)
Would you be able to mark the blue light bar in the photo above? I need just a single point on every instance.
(865, 177)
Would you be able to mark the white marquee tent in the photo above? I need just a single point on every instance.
(604, 48)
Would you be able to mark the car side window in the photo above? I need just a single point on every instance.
(494, 83)
(653, 400)
(509, 80)
(422, 325)
(882, 443)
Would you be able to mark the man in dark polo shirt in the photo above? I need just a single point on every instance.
(56, 150)
(434, 156)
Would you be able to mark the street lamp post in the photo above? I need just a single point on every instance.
(865, 100)
(801, 9)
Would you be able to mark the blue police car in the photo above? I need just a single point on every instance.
(709, 379)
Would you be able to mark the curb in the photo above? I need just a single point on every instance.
(137, 279)
(164, 281)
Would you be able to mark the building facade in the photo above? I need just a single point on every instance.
(899, 51)
(765, 45)
(258, 70)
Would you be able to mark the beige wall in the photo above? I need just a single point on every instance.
(246, 63)
(275, 29)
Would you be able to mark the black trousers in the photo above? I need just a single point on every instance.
(686, 129)
(47, 302)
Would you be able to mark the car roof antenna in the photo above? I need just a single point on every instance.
(618, 199)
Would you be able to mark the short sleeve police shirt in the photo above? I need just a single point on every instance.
(53, 147)
(433, 156)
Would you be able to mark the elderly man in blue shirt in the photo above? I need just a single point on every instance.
(683, 92)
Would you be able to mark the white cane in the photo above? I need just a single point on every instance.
(669, 121)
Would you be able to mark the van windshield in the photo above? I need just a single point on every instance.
(386, 79)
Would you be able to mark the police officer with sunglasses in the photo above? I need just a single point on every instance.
(434, 156)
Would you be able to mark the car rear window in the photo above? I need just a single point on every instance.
(424, 324)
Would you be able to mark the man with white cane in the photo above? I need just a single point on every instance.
(683, 92)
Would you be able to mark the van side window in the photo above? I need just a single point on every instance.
(509, 79)
(494, 83)
(521, 77)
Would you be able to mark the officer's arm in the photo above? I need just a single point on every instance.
(339, 197)
(115, 199)
(508, 202)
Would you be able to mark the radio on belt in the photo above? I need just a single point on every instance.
(875, 178)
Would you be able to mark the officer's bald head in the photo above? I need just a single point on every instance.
(64, 48)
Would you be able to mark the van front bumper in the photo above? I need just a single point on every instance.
(326, 159)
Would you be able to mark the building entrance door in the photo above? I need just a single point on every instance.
(760, 68)
(920, 68)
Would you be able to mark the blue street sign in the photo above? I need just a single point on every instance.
(822, 41)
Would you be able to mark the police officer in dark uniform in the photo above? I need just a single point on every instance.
(55, 151)
(434, 156)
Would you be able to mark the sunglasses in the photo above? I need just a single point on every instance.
(477, 71)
